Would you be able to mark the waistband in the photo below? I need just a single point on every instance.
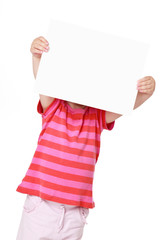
(61, 205)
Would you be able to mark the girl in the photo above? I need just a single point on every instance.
(58, 182)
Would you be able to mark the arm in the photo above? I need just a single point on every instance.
(35, 65)
(146, 87)
(111, 116)
(39, 45)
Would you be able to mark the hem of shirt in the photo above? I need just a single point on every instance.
(53, 198)
(40, 108)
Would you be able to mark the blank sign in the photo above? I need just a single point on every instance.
(91, 67)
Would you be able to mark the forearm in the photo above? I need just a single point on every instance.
(141, 98)
(38, 46)
(35, 64)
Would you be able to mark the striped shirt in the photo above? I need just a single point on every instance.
(62, 168)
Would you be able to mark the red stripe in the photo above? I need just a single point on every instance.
(59, 174)
(55, 199)
(103, 119)
(58, 187)
(90, 116)
(100, 123)
(76, 116)
(64, 162)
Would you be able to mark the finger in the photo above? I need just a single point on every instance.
(144, 79)
(39, 42)
(145, 87)
(147, 82)
(145, 91)
(43, 40)
(37, 47)
(36, 51)
(41, 47)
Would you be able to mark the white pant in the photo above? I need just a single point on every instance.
(46, 220)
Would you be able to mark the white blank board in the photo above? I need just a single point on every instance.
(91, 67)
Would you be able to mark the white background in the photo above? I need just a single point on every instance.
(127, 176)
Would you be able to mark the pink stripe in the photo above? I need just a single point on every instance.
(61, 168)
(55, 193)
(64, 155)
(71, 133)
(65, 142)
(59, 181)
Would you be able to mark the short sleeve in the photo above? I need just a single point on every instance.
(102, 121)
(39, 107)
(49, 109)
(107, 126)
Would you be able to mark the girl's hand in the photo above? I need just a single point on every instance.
(39, 45)
(146, 85)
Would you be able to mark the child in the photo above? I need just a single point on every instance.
(59, 180)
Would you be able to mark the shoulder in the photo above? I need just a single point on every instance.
(45, 101)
